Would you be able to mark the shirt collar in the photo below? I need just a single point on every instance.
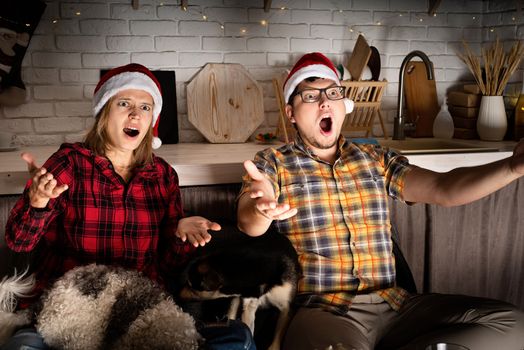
(300, 144)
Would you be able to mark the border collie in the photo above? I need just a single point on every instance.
(259, 271)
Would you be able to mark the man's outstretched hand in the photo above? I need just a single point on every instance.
(262, 192)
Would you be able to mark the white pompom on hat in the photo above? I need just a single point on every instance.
(131, 76)
(312, 65)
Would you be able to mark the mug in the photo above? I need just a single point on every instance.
(6, 139)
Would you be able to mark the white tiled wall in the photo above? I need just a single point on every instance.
(62, 64)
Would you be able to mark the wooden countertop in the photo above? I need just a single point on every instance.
(208, 164)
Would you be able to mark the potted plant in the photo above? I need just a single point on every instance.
(492, 71)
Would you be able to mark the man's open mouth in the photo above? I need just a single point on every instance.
(130, 131)
(325, 124)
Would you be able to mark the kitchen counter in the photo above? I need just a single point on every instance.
(210, 164)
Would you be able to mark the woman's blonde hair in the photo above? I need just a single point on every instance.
(98, 141)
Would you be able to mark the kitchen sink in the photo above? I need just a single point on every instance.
(435, 145)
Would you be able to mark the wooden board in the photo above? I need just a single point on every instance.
(421, 99)
(359, 58)
(225, 103)
(463, 99)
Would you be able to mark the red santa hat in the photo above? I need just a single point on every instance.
(131, 76)
(311, 65)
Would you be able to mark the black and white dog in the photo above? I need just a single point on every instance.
(259, 271)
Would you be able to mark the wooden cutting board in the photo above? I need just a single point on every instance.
(359, 58)
(225, 103)
(421, 99)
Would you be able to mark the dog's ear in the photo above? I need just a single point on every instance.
(212, 280)
(204, 277)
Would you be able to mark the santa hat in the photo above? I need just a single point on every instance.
(131, 76)
(311, 65)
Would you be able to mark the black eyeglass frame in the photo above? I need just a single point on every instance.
(342, 89)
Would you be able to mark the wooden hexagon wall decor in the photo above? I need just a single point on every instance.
(225, 103)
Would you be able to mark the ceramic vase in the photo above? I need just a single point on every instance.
(492, 122)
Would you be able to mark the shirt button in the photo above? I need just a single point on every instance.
(111, 166)
(354, 244)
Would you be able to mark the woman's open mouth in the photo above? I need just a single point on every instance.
(326, 124)
(132, 132)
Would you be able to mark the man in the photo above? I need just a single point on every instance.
(329, 196)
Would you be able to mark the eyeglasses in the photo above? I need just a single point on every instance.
(313, 95)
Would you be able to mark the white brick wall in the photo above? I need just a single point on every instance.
(62, 64)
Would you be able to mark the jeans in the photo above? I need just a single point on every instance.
(230, 335)
(25, 339)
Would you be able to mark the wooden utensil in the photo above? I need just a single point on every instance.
(359, 58)
(225, 103)
(421, 99)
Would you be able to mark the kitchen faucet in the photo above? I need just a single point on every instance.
(400, 122)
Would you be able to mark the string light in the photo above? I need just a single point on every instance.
(263, 22)
(78, 13)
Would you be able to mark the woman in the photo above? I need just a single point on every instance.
(108, 200)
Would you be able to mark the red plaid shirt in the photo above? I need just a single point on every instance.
(101, 218)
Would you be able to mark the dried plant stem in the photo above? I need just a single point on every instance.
(493, 75)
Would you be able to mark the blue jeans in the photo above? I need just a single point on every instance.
(25, 339)
(230, 335)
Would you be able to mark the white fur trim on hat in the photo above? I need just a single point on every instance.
(156, 142)
(126, 81)
(349, 104)
(312, 70)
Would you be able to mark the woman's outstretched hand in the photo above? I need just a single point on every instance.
(44, 185)
(194, 229)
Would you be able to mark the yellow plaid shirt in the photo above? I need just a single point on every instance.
(342, 230)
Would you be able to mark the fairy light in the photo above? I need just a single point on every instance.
(263, 22)
(491, 29)
(282, 8)
(54, 21)
(204, 17)
(78, 13)
(243, 30)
